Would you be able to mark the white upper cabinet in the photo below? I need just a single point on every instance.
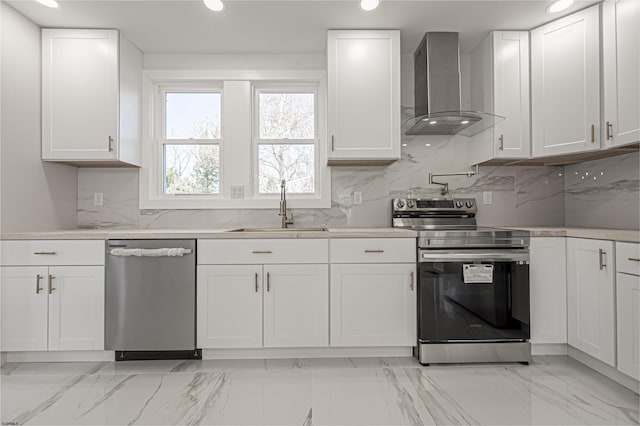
(500, 85)
(621, 68)
(565, 85)
(91, 97)
(364, 96)
(591, 298)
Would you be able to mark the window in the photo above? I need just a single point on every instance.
(227, 139)
(191, 142)
(286, 140)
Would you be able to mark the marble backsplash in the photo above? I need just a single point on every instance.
(522, 196)
(604, 193)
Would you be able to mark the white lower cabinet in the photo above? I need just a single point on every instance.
(373, 304)
(591, 298)
(52, 308)
(548, 290)
(628, 308)
(255, 306)
(296, 306)
(229, 306)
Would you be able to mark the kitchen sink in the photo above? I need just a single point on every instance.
(322, 229)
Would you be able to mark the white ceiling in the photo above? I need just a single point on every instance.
(294, 26)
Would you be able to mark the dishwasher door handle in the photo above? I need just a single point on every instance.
(149, 252)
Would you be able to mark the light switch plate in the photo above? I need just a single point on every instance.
(357, 197)
(487, 197)
(98, 199)
(237, 191)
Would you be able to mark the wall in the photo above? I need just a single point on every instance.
(34, 195)
(604, 193)
(521, 196)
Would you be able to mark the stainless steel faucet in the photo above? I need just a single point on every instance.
(283, 206)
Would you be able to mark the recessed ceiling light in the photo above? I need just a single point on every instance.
(559, 5)
(49, 3)
(427, 144)
(369, 4)
(404, 144)
(465, 122)
(433, 122)
(215, 5)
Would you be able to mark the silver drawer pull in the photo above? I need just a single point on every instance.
(634, 259)
(601, 257)
(44, 252)
(262, 252)
(374, 251)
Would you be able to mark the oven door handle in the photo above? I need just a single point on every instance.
(474, 256)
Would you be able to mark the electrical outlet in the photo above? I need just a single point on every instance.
(487, 197)
(357, 197)
(237, 191)
(98, 199)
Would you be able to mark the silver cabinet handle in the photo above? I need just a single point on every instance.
(501, 140)
(256, 282)
(609, 130)
(45, 252)
(593, 133)
(634, 259)
(262, 252)
(110, 144)
(51, 287)
(411, 285)
(268, 281)
(332, 143)
(601, 255)
(374, 251)
(38, 288)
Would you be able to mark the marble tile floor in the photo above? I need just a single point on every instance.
(345, 391)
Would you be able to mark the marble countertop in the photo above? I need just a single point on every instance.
(629, 235)
(106, 234)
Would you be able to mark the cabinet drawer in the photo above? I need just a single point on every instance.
(262, 251)
(373, 250)
(52, 252)
(628, 258)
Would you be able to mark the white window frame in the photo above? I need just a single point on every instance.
(279, 87)
(161, 139)
(152, 175)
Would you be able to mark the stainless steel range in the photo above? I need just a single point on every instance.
(473, 284)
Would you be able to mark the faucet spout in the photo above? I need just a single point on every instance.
(286, 221)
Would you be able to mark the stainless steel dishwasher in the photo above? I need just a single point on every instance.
(151, 299)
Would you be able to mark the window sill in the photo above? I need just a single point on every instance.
(182, 203)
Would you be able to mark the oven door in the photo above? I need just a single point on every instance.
(473, 295)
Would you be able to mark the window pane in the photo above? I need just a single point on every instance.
(191, 169)
(192, 116)
(293, 163)
(287, 115)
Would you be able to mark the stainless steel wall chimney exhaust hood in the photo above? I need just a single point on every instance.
(437, 91)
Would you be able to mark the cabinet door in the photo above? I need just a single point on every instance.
(565, 85)
(296, 306)
(628, 309)
(23, 310)
(373, 305)
(79, 94)
(76, 307)
(621, 68)
(364, 95)
(229, 306)
(590, 297)
(511, 93)
(548, 287)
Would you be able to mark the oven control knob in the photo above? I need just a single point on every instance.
(469, 204)
(459, 204)
(400, 204)
(411, 204)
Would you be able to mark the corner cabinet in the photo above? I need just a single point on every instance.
(500, 85)
(621, 68)
(52, 295)
(373, 292)
(363, 96)
(565, 85)
(91, 98)
(591, 298)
